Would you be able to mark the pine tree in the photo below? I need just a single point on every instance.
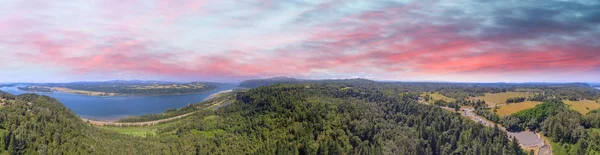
(515, 146)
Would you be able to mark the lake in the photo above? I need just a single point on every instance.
(115, 107)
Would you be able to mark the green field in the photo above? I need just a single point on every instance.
(437, 96)
(500, 98)
(515, 107)
(140, 131)
(143, 131)
(583, 106)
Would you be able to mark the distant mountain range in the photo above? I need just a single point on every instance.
(287, 80)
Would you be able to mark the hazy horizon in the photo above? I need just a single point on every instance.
(222, 41)
(236, 82)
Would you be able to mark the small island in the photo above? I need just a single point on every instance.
(124, 88)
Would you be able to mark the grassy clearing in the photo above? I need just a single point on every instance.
(559, 148)
(211, 117)
(583, 106)
(134, 131)
(438, 96)
(141, 131)
(595, 130)
(516, 107)
(500, 98)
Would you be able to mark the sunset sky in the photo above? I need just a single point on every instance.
(221, 40)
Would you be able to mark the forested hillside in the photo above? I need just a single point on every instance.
(317, 118)
(576, 133)
(33, 124)
(270, 81)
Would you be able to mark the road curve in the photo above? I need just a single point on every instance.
(527, 139)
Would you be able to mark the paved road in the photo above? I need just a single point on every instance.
(527, 139)
(545, 150)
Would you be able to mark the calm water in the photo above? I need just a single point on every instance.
(112, 108)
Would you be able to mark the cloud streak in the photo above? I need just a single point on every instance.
(221, 41)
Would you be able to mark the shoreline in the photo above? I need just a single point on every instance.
(114, 121)
(212, 96)
(100, 122)
(101, 94)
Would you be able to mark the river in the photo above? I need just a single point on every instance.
(115, 107)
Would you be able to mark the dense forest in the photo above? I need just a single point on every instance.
(270, 81)
(570, 91)
(573, 91)
(33, 124)
(313, 118)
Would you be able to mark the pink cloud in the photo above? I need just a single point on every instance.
(382, 42)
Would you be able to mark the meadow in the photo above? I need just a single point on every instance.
(492, 99)
(515, 107)
(437, 96)
(583, 106)
(141, 131)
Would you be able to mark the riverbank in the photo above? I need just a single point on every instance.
(113, 108)
(83, 92)
(217, 94)
(103, 94)
(212, 105)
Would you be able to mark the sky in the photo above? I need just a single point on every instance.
(225, 41)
